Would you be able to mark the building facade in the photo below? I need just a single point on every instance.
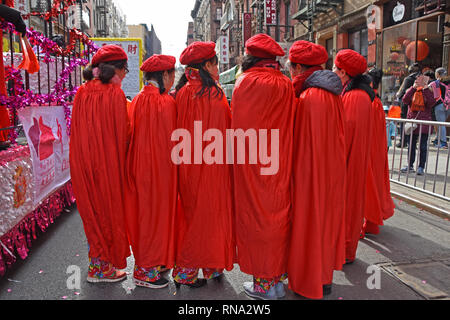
(206, 15)
(390, 34)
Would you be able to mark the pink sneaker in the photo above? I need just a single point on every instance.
(100, 271)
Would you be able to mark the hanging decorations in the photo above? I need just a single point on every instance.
(61, 94)
(59, 7)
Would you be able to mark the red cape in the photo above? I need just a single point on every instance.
(263, 98)
(152, 179)
(379, 205)
(357, 115)
(204, 223)
(319, 172)
(98, 147)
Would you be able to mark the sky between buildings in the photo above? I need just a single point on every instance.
(170, 20)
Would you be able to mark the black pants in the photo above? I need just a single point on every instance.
(423, 150)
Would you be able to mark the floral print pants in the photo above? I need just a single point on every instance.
(263, 285)
(190, 275)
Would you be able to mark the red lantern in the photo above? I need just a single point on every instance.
(394, 56)
(422, 50)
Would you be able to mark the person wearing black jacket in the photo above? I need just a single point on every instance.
(414, 70)
(14, 16)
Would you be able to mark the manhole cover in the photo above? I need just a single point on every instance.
(429, 279)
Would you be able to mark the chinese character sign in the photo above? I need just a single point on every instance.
(223, 49)
(271, 11)
(132, 83)
(46, 132)
(246, 26)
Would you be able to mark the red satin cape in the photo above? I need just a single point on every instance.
(98, 148)
(263, 98)
(204, 221)
(379, 205)
(319, 172)
(358, 131)
(152, 179)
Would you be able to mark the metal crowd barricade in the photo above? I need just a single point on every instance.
(434, 180)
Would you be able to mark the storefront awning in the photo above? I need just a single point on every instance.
(228, 76)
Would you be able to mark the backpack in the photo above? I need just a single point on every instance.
(446, 99)
(418, 104)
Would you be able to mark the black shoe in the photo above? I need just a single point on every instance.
(326, 288)
(218, 278)
(158, 284)
(197, 284)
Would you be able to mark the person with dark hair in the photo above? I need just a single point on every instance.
(379, 205)
(263, 100)
(441, 109)
(98, 148)
(414, 71)
(357, 98)
(204, 221)
(317, 245)
(152, 176)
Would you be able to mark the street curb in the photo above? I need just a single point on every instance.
(422, 205)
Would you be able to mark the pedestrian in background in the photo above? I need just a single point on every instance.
(420, 101)
(414, 71)
(204, 223)
(264, 99)
(357, 97)
(390, 128)
(98, 148)
(317, 244)
(379, 205)
(152, 176)
(441, 109)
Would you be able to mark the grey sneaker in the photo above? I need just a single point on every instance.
(407, 169)
(420, 171)
(279, 290)
(249, 290)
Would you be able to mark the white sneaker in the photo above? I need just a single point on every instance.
(279, 290)
(249, 290)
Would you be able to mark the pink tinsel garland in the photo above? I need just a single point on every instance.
(18, 239)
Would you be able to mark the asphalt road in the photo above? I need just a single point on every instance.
(411, 255)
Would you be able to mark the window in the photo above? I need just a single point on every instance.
(218, 13)
(329, 47)
(358, 41)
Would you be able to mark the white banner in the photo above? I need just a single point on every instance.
(132, 83)
(46, 132)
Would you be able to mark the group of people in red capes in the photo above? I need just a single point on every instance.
(301, 222)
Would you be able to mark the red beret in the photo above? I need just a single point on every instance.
(308, 53)
(198, 52)
(109, 52)
(263, 46)
(158, 62)
(351, 62)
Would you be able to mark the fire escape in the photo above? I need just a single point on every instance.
(100, 12)
(430, 6)
(311, 9)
